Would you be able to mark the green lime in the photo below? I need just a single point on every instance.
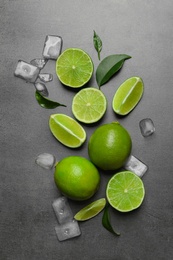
(91, 210)
(74, 67)
(128, 95)
(125, 191)
(89, 105)
(109, 146)
(76, 177)
(67, 130)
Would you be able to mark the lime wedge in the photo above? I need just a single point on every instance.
(91, 210)
(89, 105)
(74, 67)
(125, 191)
(128, 95)
(67, 130)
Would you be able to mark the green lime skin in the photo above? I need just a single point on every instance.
(76, 178)
(109, 146)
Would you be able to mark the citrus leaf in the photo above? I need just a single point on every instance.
(97, 44)
(109, 66)
(45, 102)
(106, 221)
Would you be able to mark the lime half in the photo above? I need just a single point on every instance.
(91, 210)
(89, 105)
(125, 191)
(74, 67)
(67, 130)
(128, 95)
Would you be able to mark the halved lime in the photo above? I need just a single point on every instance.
(125, 191)
(91, 210)
(89, 105)
(128, 95)
(74, 67)
(67, 130)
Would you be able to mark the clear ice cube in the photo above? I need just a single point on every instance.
(26, 71)
(147, 127)
(133, 164)
(52, 47)
(46, 160)
(67, 230)
(41, 88)
(40, 63)
(62, 209)
(45, 77)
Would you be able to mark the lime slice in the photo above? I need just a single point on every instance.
(91, 210)
(125, 191)
(74, 67)
(89, 105)
(67, 130)
(128, 95)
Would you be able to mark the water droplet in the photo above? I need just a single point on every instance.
(61, 211)
(66, 231)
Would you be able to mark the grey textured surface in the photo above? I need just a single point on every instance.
(142, 29)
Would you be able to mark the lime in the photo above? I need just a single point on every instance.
(128, 95)
(109, 146)
(76, 177)
(89, 105)
(91, 210)
(74, 67)
(67, 130)
(125, 191)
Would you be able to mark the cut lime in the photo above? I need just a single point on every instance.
(67, 130)
(125, 191)
(74, 67)
(89, 105)
(91, 210)
(128, 95)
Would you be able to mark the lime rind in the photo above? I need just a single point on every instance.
(128, 95)
(125, 191)
(91, 210)
(67, 130)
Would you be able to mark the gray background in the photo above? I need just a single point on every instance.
(142, 29)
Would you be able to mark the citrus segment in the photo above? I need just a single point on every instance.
(67, 130)
(89, 105)
(91, 210)
(125, 191)
(128, 95)
(74, 67)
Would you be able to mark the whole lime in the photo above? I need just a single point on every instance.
(109, 146)
(76, 177)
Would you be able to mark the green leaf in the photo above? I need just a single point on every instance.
(97, 44)
(45, 102)
(106, 221)
(109, 66)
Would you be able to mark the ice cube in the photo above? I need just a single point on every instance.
(26, 71)
(147, 127)
(45, 77)
(45, 160)
(40, 63)
(62, 209)
(52, 47)
(135, 165)
(68, 230)
(41, 88)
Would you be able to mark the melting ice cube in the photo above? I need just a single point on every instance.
(147, 127)
(41, 88)
(45, 77)
(68, 230)
(26, 71)
(135, 165)
(62, 210)
(46, 160)
(52, 47)
(40, 63)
